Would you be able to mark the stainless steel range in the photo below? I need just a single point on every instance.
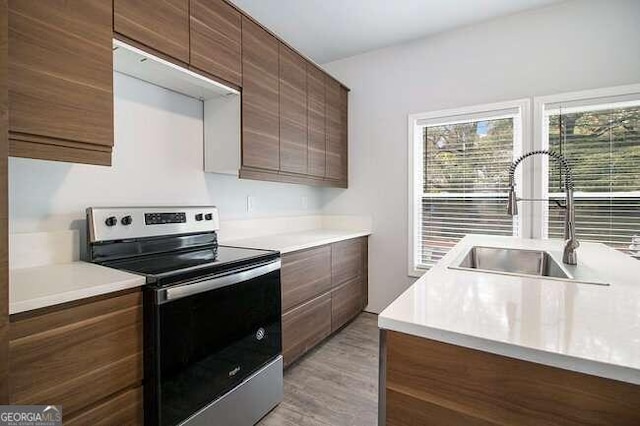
(212, 319)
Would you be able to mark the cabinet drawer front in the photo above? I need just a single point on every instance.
(216, 39)
(61, 73)
(162, 25)
(404, 409)
(346, 261)
(73, 358)
(305, 275)
(23, 325)
(123, 409)
(305, 326)
(346, 303)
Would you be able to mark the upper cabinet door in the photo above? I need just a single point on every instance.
(260, 103)
(162, 25)
(293, 111)
(336, 127)
(344, 136)
(316, 135)
(61, 80)
(216, 42)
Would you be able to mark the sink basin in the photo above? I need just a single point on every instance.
(512, 261)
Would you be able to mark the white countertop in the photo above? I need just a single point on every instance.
(42, 286)
(50, 276)
(586, 328)
(294, 241)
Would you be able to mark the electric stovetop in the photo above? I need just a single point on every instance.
(171, 267)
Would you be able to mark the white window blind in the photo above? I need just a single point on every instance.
(601, 140)
(463, 175)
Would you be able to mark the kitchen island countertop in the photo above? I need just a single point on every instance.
(588, 328)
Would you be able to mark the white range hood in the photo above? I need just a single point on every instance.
(137, 63)
(221, 104)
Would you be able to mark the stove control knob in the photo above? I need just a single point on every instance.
(199, 217)
(208, 216)
(111, 221)
(127, 220)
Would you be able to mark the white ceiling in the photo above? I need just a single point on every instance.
(326, 30)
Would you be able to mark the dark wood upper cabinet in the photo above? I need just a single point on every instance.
(336, 128)
(216, 39)
(293, 112)
(316, 134)
(162, 25)
(332, 127)
(60, 83)
(260, 98)
(61, 80)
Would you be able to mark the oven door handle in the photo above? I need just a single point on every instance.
(230, 278)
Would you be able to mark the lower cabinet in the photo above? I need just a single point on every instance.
(305, 274)
(85, 356)
(305, 326)
(346, 261)
(125, 408)
(322, 290)
(346, 303)
(436, 383)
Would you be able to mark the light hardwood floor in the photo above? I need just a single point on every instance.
(336, 384)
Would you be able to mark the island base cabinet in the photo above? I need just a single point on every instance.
(426, 382)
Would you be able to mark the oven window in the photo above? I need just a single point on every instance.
(212, 341)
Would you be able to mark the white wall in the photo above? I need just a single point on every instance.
(577, 45)
(157, 160)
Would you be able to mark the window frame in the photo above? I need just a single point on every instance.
(522, 143)
(583, 98)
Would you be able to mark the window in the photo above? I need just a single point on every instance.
(600, 137)
(459, 165)
(459, 161)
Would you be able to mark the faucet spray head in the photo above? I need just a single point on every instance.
(512, 202)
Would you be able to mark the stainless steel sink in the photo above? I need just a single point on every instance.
(512, 261)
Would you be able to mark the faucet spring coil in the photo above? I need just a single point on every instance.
(559, 157)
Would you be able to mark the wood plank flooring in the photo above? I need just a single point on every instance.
(336, 384)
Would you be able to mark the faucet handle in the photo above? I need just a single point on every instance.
(512, 202)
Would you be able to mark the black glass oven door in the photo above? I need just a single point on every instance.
(204, 338)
